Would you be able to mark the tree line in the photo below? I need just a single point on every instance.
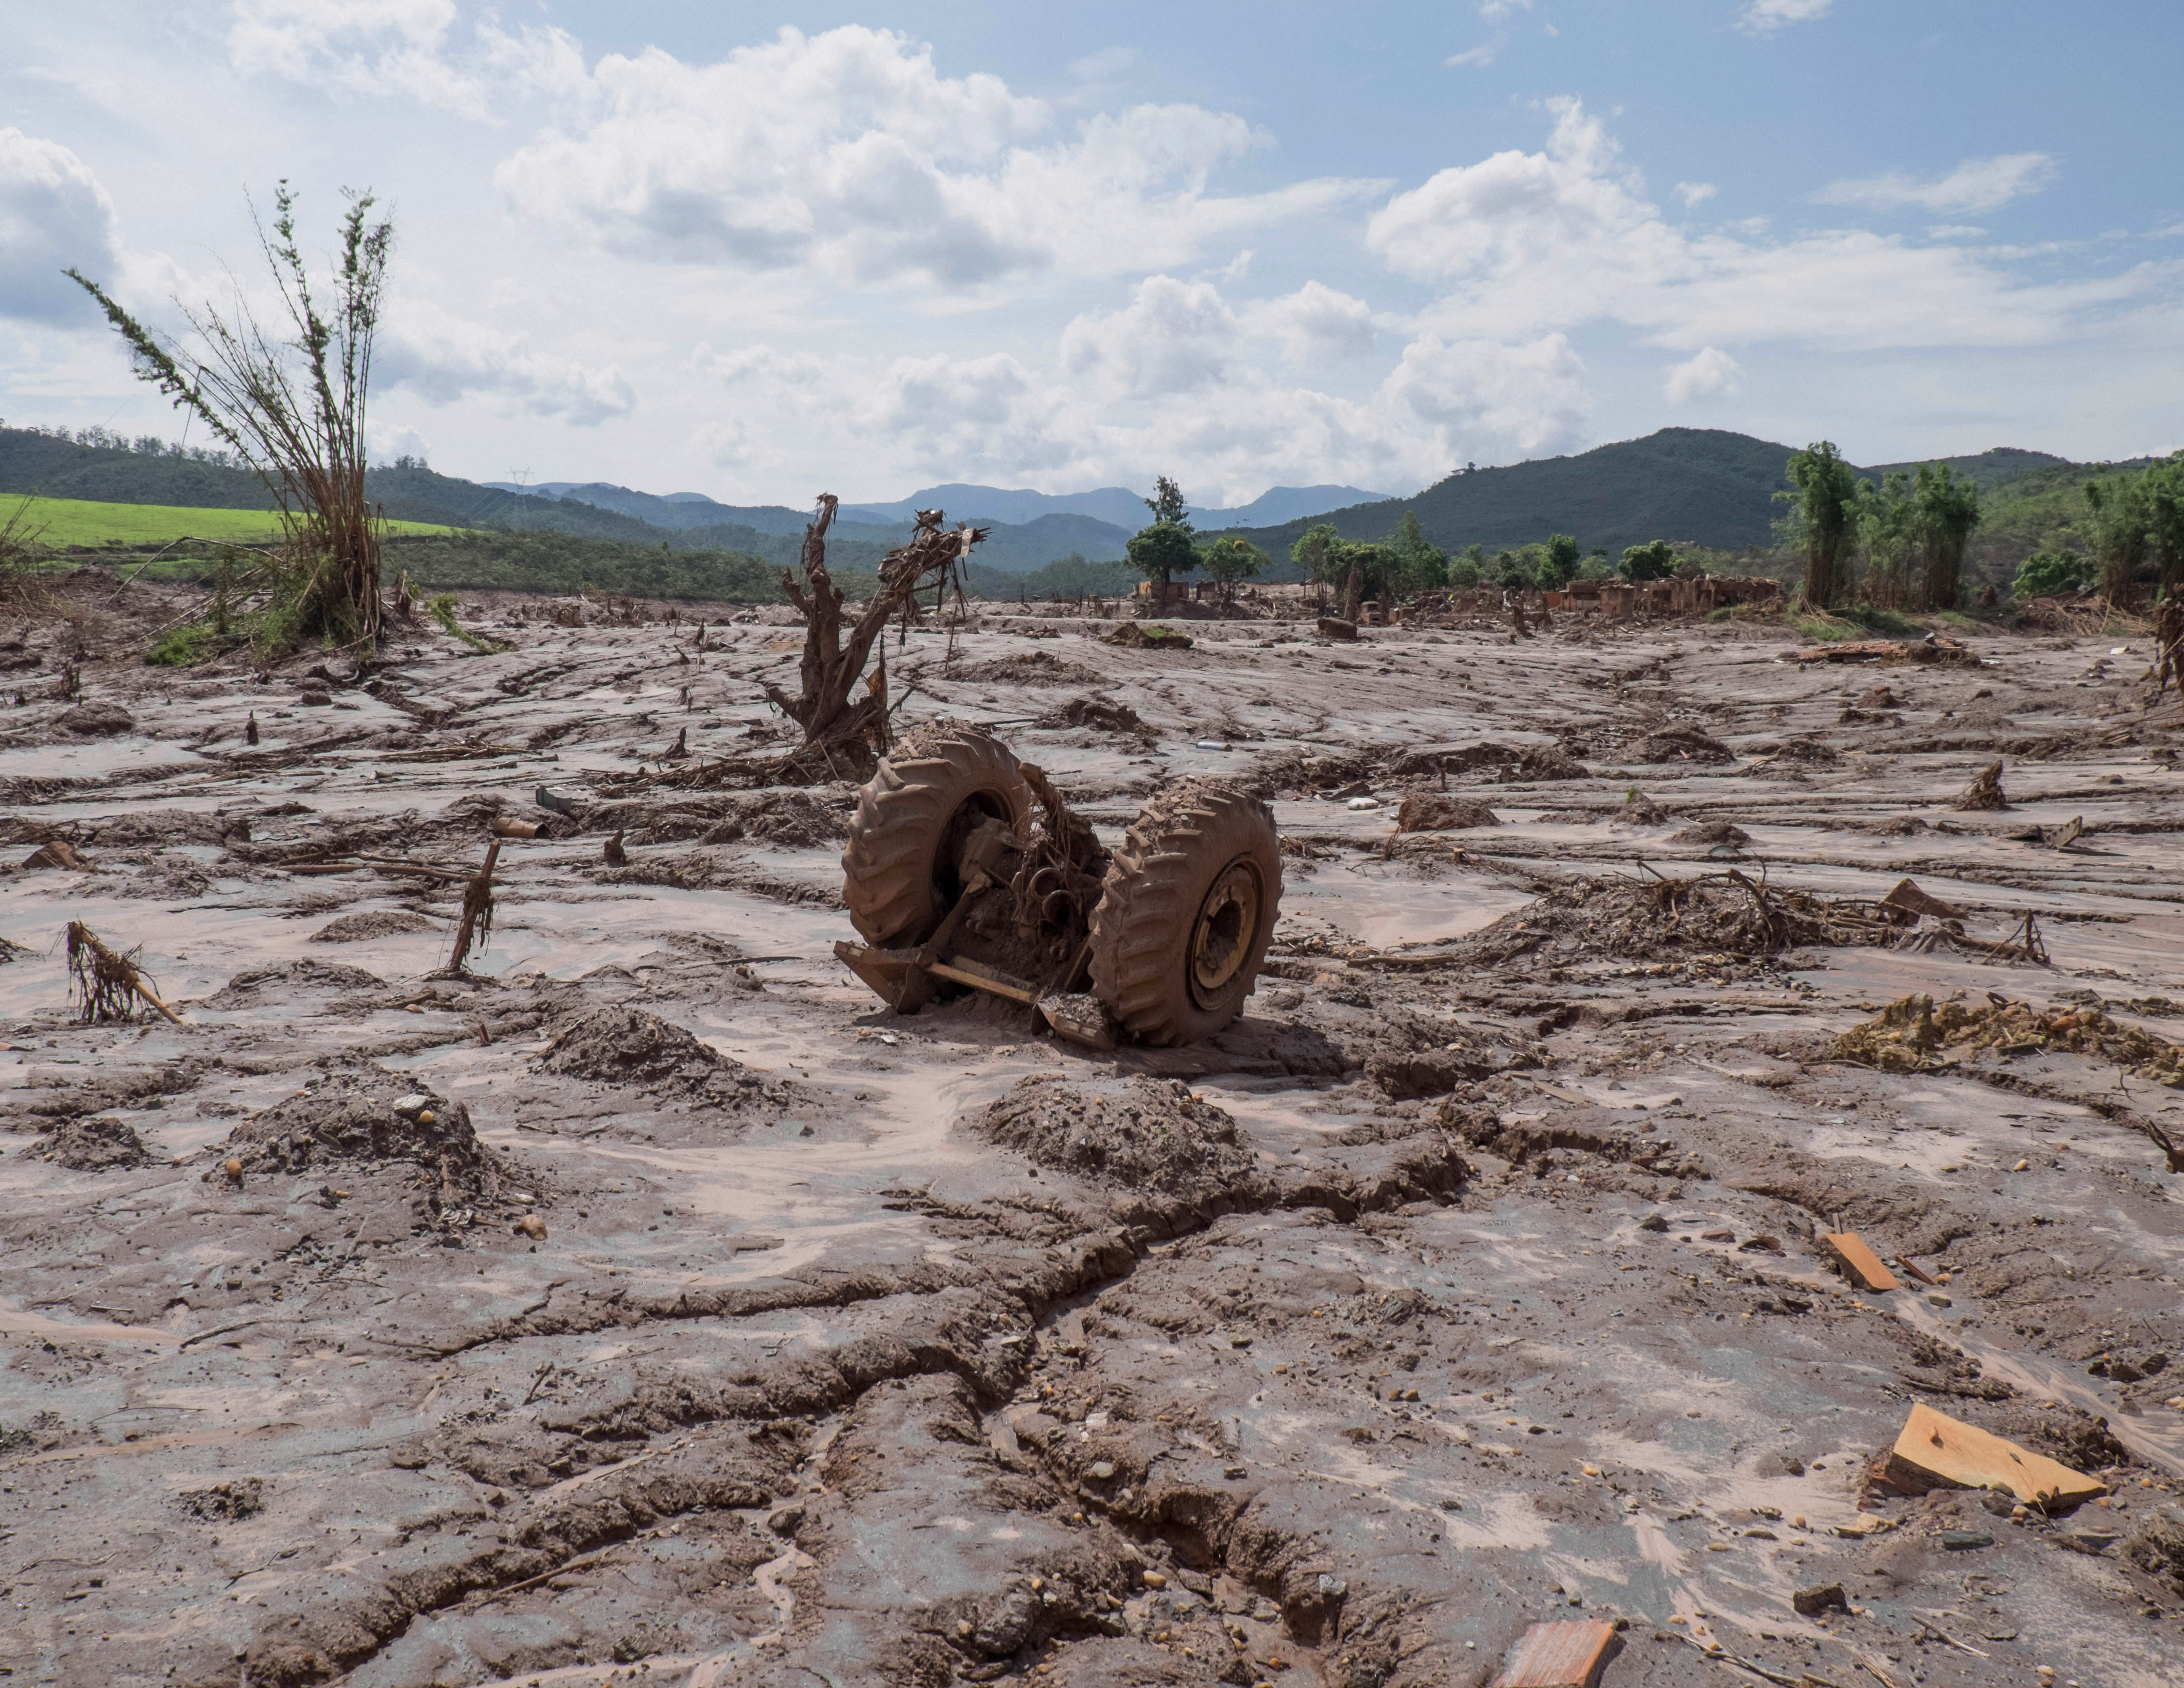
(1901, 544)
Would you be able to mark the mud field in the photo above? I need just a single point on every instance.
(648, 1305)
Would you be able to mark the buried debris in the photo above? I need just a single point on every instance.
(1909, 1035)
(107, 985)
(1935, 1451)
(1147, 635)
(475, 926)
(58, 853)
(1934, 648)
(98, 1144)
(1859, 1263)
(1570, 1654)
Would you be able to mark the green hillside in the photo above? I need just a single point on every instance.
(60, 523)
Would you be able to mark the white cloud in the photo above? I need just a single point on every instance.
(442, 357)
(1174, 337)
(53, 214)
(847, 152)
(1695, 192)
(1483, 399)
(1495, 10)
(1316, 325)
(1478, 56)
(1975, 185)
(1954, 231)
(1712, 374)
(366, 47)
(1764, 17)
(1530, 243)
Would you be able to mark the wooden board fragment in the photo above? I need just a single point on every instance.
(1563, 1655)
(1934, 1451)
(1861, 1262)
(1913, 899)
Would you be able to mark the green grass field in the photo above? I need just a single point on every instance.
(78, 521)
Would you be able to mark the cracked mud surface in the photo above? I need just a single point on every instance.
(649, 1304)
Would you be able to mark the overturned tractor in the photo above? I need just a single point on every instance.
(965, 870)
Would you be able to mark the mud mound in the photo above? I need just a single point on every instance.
(354, 929)
(694, 869)
(1639, 809)
(1548, 762)
(1401, 1075)
(1648, 919)
(627, 1045)
(790, 819)
(100, 1145)
(1683, 745)
(96, 721)
(1147, 635)
(363, 1114)
(1033, 668)
(1099, 714)
(1144, 1135)
(1718, 833)
(1429, 812)
(254, 986)
(1816, 751)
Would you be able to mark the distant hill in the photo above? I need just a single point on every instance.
(1116, 506)
(1278, 504)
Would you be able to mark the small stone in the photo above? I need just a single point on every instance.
(786, 1520)
(532, 1226)
(233, 1168)
(1653, 1222)
(1332, 1587)
(1961, 1541)
(1153, 1579)
(1810, 1603)
(1101, 1470)
(1938, 1299)
(412, 1106)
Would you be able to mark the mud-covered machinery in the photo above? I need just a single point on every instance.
(965, 869)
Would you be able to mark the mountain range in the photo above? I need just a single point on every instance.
(1712, 487)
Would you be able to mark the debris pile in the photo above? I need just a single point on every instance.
(1146, 636)
(1909, 1035)
(1430, 812)
(1648, 918)
(1100, 714)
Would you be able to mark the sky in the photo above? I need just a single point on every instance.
(762, 254)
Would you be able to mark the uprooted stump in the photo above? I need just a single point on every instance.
(1985, 792)
(106, 985)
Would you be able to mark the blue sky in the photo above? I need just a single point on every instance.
(759, 252)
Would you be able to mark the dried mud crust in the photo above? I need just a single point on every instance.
(1202, 839)
(1138, 1133)
(910, 813)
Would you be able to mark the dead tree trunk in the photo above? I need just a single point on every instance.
(835, 652)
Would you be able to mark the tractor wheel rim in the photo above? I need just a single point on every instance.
(1221, 937)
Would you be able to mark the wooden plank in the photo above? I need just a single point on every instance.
(1861, 1262)
(1561, 1654)
(1934, 1451)
(985, 979)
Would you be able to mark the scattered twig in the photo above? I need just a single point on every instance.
(106, 983)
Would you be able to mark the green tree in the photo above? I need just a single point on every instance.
(1825, 504)
(1655, 559)
(1888, 526)
(1513, 570)
(1421, 563)
(2045, 574)
(1314, 551)
(1467, 567)
(2121, 520)
(1167, 502)
(1558, 568)
(1945, 511)
(1229, 560)
(2165, 508)
(1162, 551)
(1597, 565)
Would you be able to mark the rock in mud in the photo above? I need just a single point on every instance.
(1147, 1135)
(1097, 713)
(99, 1144)
(1683, 744)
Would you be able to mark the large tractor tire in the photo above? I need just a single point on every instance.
(1186, 913)
(899, 868)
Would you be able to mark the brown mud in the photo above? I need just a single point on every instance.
(645, 1303)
